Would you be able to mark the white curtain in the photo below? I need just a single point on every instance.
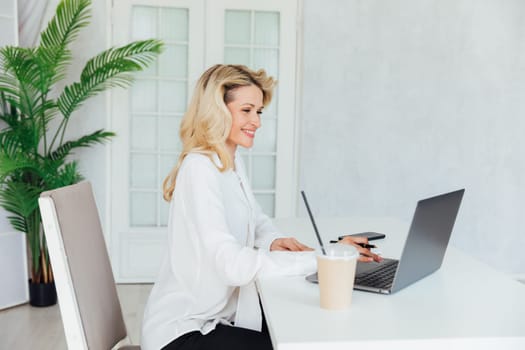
(33, 16)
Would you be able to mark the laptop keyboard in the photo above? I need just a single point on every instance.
(382, 277)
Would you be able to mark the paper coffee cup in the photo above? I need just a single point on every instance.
(336, 271)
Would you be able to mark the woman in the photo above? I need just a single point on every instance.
(218, 237)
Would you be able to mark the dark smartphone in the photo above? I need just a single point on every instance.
(370, 235)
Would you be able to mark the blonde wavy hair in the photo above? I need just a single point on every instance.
(207, 122)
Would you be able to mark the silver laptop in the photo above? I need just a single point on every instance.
(424, 249)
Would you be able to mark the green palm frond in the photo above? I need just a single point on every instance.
(106, 70)
(19, 198)
(20, 89)
(16, 163)
(9, 85)
(99, 136)
(18, 80)
(65, 176)
(18, 222)
(13, 142)
(69, 18)
(131, 57)
(18, 62)
(8, 113)
(53, 54)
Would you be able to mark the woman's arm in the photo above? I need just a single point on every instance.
(205, 220)
(265, 231)
(267, 238)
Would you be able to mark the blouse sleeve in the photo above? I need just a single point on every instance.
(265, 231)
(203, 206)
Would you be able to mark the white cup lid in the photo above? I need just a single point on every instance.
(340, 251)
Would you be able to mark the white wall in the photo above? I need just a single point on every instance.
(407, 99)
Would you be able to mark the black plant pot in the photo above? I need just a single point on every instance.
(42, 294)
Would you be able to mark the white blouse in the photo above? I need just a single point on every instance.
(218, 243)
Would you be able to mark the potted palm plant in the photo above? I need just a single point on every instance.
(35, 114)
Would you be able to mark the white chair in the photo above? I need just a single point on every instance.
(87, 295)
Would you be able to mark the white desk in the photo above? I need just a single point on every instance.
(464, 305)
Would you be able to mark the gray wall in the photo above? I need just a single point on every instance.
(407, 99)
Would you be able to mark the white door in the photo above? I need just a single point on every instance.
(146, 117)
(262, 34)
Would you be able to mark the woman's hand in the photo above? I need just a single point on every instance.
(365, 254)
(289, 244)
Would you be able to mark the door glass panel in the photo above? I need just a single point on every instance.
(237, 27)
(270, 111)
(267, 58)
(266, 136)
(267, 203)
(172, 96)
(158, 100)
(144, 171)
(263, 176)
(173, 62)
(143, 209)
(144, 23)
(174, 24)
(144, 133)
(150, 71)
(144, 96)
(235, 55)
(164, 211)
(167, 162)
(169, 134)
(267, 28)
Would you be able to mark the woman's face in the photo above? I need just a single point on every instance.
(246, 107)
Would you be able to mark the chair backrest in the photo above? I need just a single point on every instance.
(86, 289)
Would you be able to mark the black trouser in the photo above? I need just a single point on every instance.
(223, 337)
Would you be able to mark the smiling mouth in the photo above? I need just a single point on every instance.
(249, 133)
